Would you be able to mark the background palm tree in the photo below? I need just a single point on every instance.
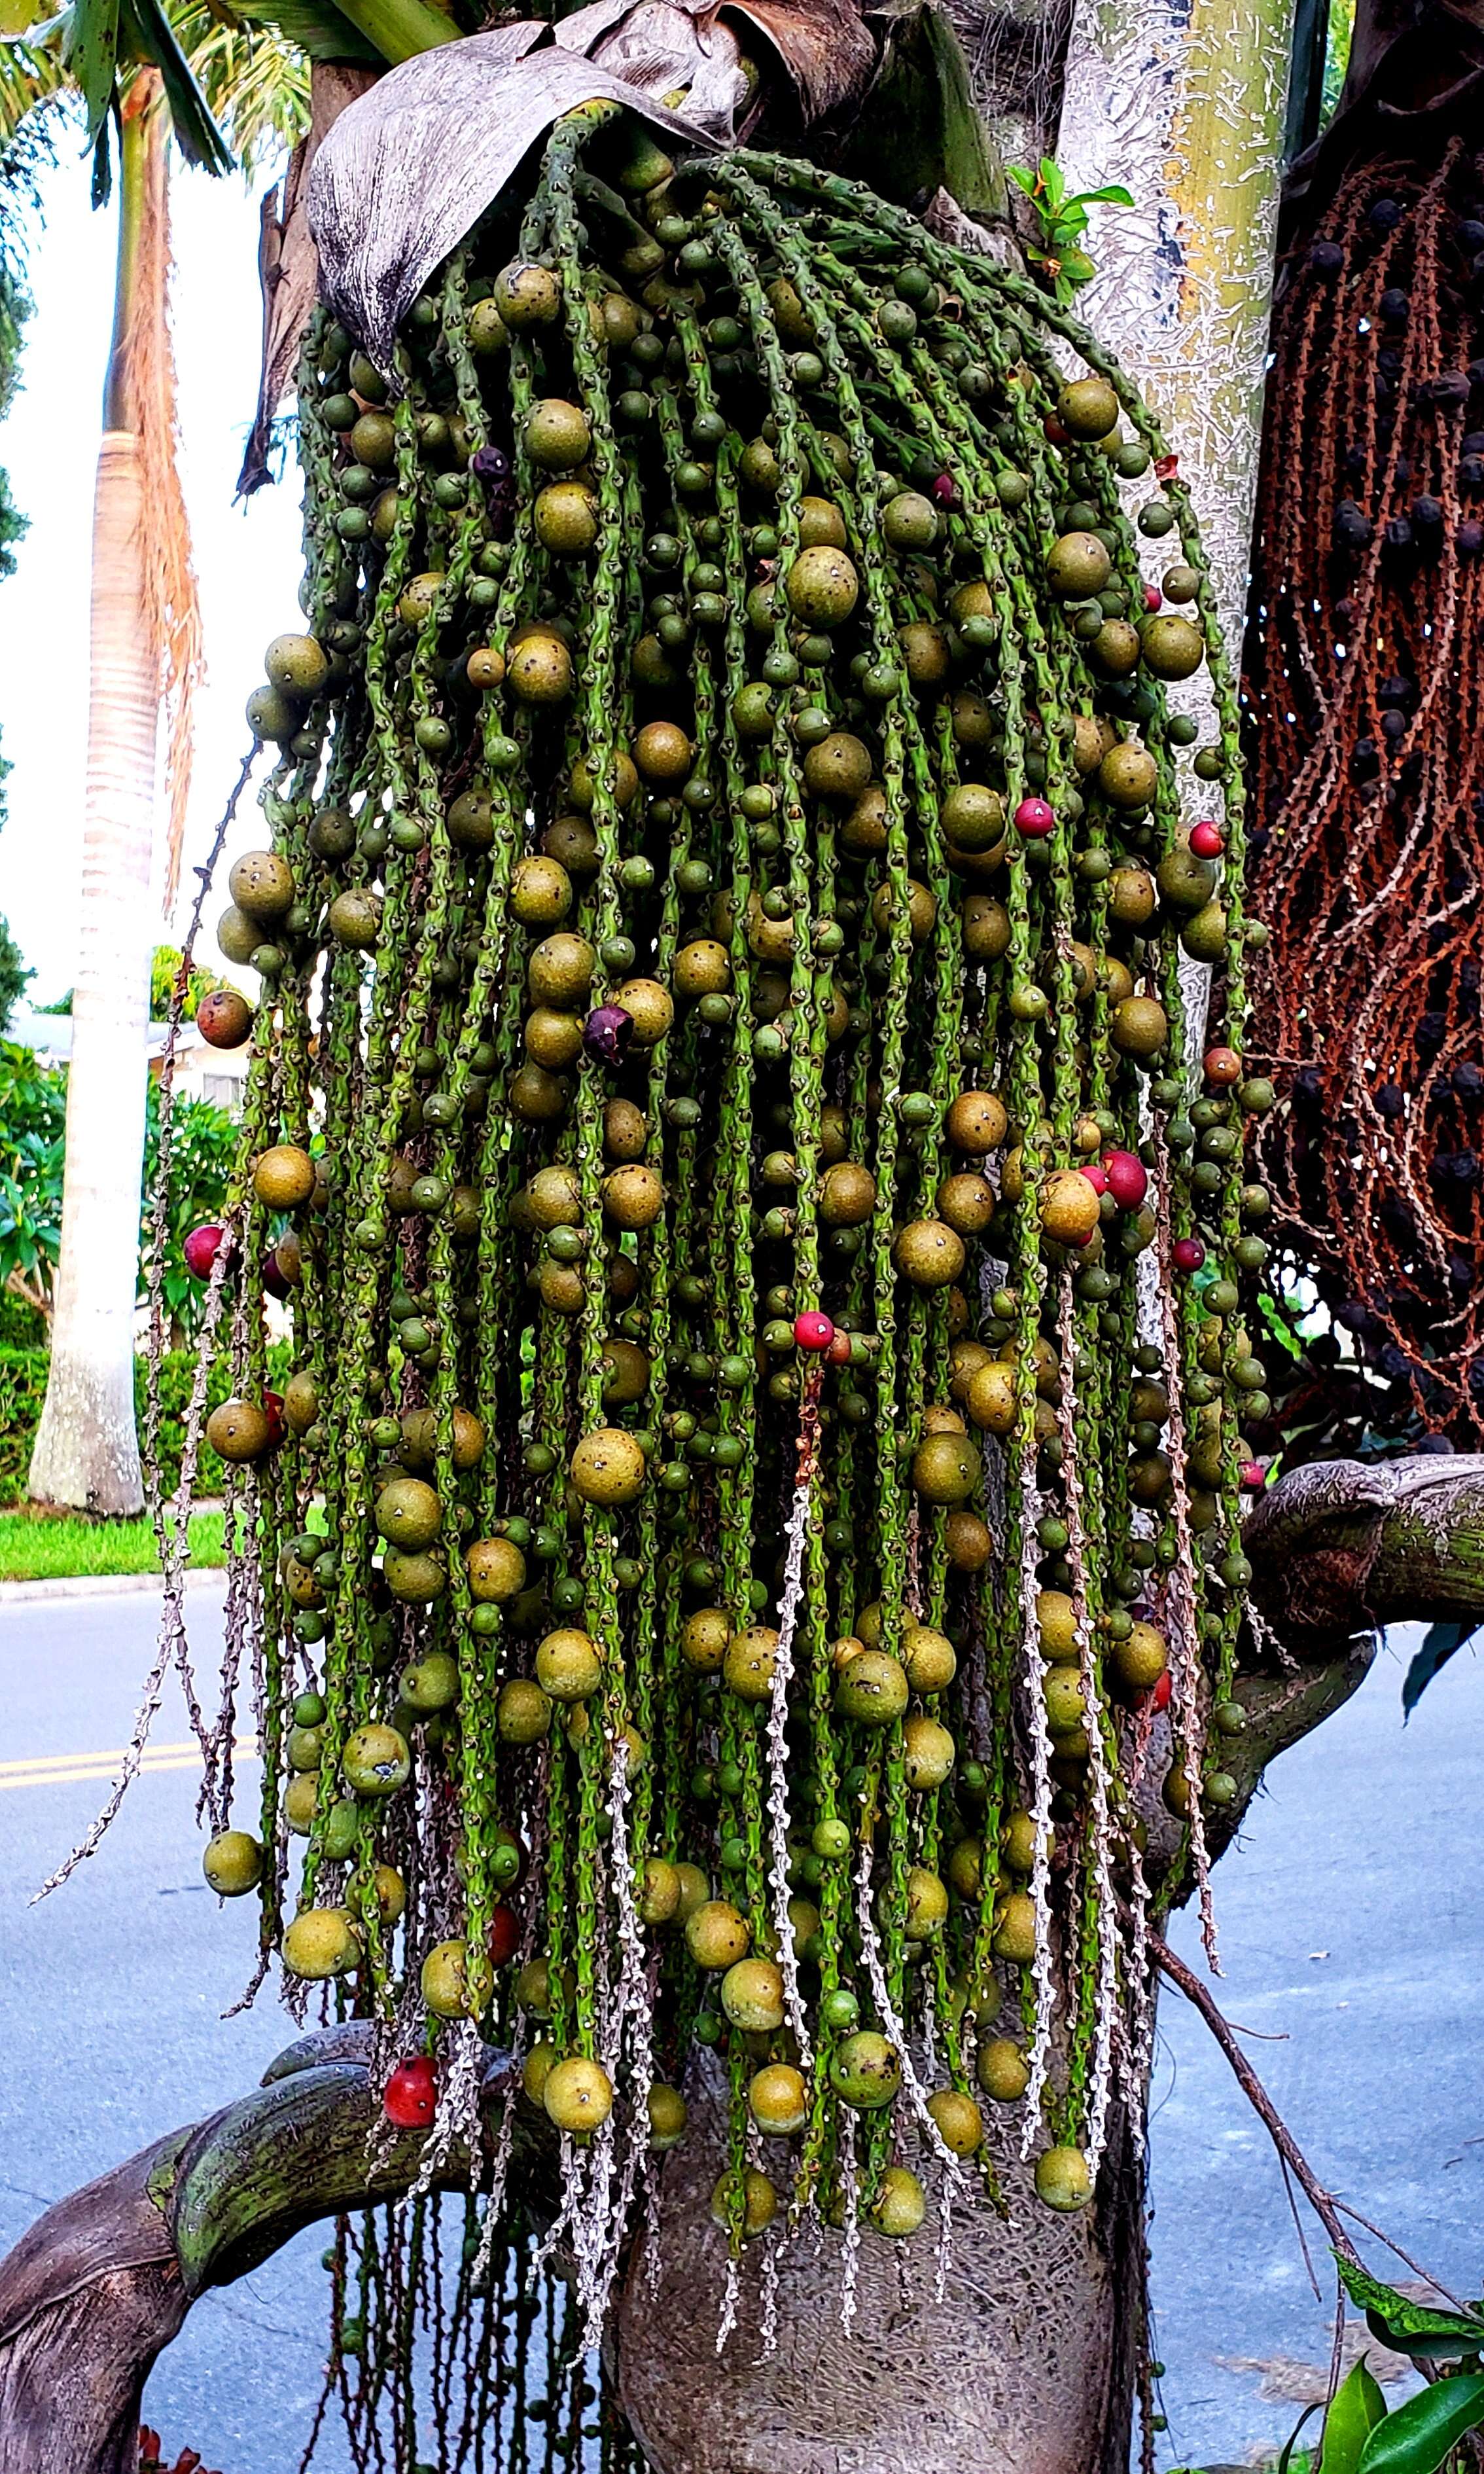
(145, 662)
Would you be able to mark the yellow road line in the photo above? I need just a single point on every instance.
(63, 1769)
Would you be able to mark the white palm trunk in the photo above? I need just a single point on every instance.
(144, 646)
(85, 1450)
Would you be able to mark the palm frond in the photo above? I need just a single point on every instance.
(255, 82)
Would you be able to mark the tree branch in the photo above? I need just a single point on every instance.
(1256, 2095)
(1340, 1548)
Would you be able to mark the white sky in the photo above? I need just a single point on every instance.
(247, 557)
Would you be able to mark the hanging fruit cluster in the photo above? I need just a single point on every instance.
(753, 1523)
(1365, 674)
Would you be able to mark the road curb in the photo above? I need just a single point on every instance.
(98, 1584)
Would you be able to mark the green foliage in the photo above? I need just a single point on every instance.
(1417, 2437)
(33, 1129)
(164, 970)
(203, 1143)
(1411, 2328)
(1062, 219)
(33, 1126)
(51, 1550)
(14, 977)
(1358, 2406)
(23, 1387)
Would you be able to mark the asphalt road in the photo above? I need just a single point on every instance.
(1351, 1931)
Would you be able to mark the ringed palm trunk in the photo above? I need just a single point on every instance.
(86, 1453)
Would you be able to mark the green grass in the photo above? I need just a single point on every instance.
(51, 1548)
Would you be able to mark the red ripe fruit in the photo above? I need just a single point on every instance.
(840, 1351)
(273, 1411)
(1206, 840)
(224, 1018)
(1223, 1066)
(1056, 430)
(1154, 598)
(1188, 1253)
(409, 2097)
(1127, 1180)
(1034, 820)
(1159, 1693)
(274, 1284)
(1098, 1178)
(1253, 1476)
(200, 1249)
(813, 1331)
(504, 1934)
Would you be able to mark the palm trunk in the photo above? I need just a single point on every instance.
(86, 1453)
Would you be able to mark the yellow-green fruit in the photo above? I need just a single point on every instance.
(778, 2099)
(1086, 407)
(375, 1760)
(822, 586)
(522, 1712)
(238, 938)
(668, 2116)
(354, 919)
(837, 766)
(1018, 1842)
(1139, 1660)
(408, 1513)
(416, 1579)
(608, 1466)
(539, 667)
(301, 1801)
(820, 524)
(238, 1430)
(929, 1657)
(1078, 566)
(871, 1689)
(283, 1176)
(1069, 1204)
(748, 1666)
(929, 1254)
(577, 2096)
(1015, 1930)
(946, 1468)
(457, 1982)
(1128, 775)
(928, 1751)
(986, 927)
(537, 2069)
(959, 2119)
(628, 1372)
(632, 1196)
(320, 1943)
(1173, 647)
(991, 1397)
(300, 1402)
(1003, 2071)
(1131, 896)
(848, 1195)
(1205, 937)
(431, 1682)
(974, 816)
(1065, 1700)
(966, 1868)
(865, 2071)
(541, 891)
(1057, 1616)
(1062, 2180)
(568, 1667)
(900, 2205)
(233, 1863)
(716, 1934)
(928, 1903)
(659, 1891)
(695, 1890)
(391, 1894)
(752, 1995)
(760, 2202)
(704, 1639)
(1139, 1026)
(566, 522)
(702, 968)
(526, 295)
(299, 665)
(261, 884)
(496, 1570)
